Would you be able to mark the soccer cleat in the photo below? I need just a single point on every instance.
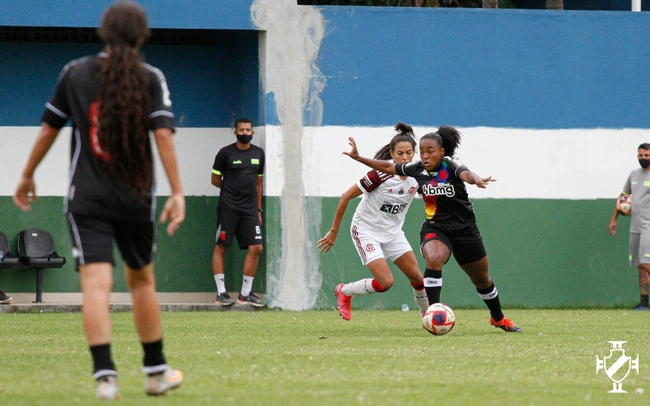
(422, 301)
(158, 384)
(107, 388)
(224, 299)
(343, 303)
(251, 299)
(506, 325)
(639, 308)
(4, 299)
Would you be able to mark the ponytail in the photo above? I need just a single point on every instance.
(123, 142)
(404, 134)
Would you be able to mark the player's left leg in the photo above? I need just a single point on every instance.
(249, 235)
(409, 266)
(478, 274)
(96, 285)
(92, 241)
(642, 257)
(644, 286)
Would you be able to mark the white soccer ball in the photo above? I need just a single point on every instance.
(438, 319)
(624, 205)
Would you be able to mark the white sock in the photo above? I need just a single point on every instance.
(360, 287)
(220, 281)
(421, 299)
(247, 285)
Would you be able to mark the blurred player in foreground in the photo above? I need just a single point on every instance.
(114, 100)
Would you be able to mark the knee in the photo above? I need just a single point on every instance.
(436, 261)
(417, 279)
(385, 283)
(256, 250)
(140, 279)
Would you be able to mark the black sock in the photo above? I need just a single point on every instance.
(154, 360)
(644, 301)
(490, 296)
(433, 284)
(102, 362)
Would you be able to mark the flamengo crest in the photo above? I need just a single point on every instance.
(617, 365)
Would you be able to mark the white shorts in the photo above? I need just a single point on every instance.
(639, 248)
(370, 249)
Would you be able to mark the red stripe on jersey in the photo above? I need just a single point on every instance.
(357, 242)
(373, 179)
(95, 143)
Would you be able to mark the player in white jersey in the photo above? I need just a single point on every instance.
(376, 226)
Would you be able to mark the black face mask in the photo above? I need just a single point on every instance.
(245, 139)
(644, 163)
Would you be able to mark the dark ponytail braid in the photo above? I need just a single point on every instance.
(404, 134)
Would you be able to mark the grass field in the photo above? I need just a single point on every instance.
(316, 358)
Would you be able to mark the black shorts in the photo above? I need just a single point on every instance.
(92, 240)
(466, 244)
(233, 223)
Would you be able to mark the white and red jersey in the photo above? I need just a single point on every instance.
(385, 201)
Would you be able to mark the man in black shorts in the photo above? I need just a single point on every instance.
(238, 171)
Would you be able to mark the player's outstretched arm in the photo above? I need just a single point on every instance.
(382, 166)
(473, 179)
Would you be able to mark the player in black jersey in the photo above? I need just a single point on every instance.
(238, 171)
(450, 224)
(114, 100)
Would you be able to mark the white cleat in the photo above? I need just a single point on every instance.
(156, 385)
(107, 388)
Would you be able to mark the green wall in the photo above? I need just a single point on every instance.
(543, 253)
(183, 262)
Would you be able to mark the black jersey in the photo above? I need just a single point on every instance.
(90, 191)
(446, 203)
(239, 171)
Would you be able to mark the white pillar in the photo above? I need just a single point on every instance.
(636, 5)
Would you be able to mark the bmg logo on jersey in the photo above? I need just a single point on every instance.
(441, 189)
(617, 365)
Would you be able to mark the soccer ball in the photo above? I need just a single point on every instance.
(438, 319)
(624, 205)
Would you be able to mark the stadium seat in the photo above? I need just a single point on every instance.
(6, 259)
(36, 250)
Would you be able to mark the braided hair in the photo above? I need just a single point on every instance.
(124, 99)
(404, 134)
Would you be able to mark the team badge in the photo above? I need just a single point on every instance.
(617, 365)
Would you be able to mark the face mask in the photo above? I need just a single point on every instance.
(644, 163)
(245, 139)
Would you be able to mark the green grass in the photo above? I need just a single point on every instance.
(316, 358)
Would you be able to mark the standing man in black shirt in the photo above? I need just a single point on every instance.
(238, 171)
(114, 100)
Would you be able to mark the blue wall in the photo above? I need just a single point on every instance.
(472, 67)
(200, 14)
(211, 86)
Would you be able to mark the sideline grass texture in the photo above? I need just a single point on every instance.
(316, 358)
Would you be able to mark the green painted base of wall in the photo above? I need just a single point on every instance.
(183, 262)
(542, 253)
